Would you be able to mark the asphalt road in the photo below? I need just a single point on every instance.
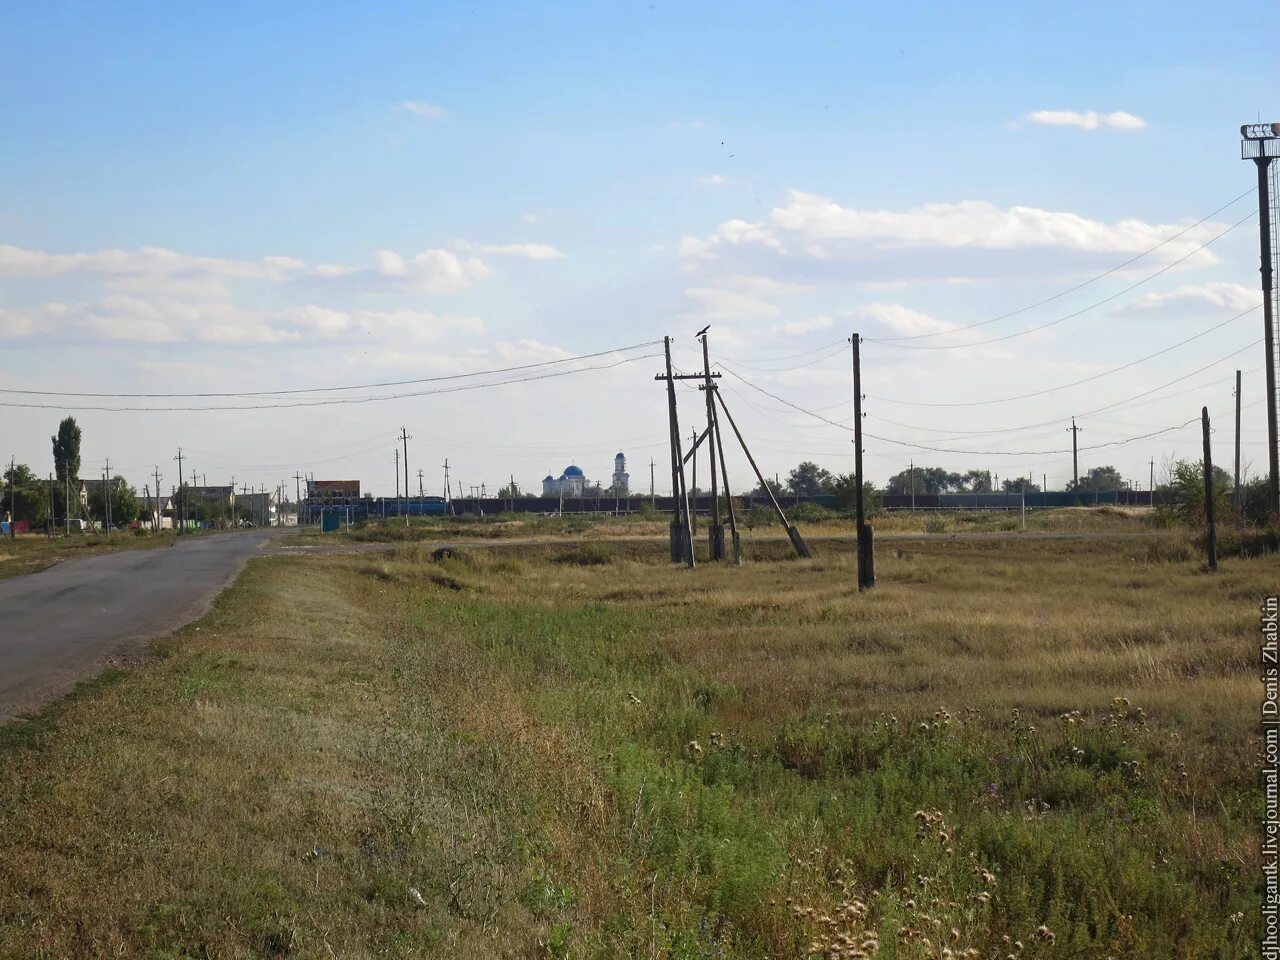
(69, 622)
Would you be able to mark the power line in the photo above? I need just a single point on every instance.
(1074, 383)
(361, 386)
(1069, 316)
(1083, 284)
(325, 403)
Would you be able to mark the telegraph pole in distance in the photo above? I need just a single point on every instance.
(653, 497)
(106, 494)
(13, 513)
(866, 550)
(404, 437)
(155, 526)
(1075, 459)
(1211, 542)
(183, 497)
(397, 453)
(1261, 144)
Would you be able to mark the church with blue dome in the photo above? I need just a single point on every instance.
(573, 482)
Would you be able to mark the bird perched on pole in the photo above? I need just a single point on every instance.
(703, 330)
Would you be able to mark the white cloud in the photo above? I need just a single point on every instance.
(731, 233)
(901, 320)
(429, 110)
(529, 217)
(799, 327)
(1230, 296)
(528, 251)
(977, 224)
(1087, 120)
(714, 303)
(432, 271)
(144, 262)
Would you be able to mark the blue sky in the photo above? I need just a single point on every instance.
(247, 198)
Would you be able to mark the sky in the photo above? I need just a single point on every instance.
(1029, 213)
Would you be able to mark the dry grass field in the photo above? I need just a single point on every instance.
(1027, 748)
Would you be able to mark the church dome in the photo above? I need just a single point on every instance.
(547, 477)
(572, 471)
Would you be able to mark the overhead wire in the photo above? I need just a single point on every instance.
(332, 402)
(333, 389)
(1091, 280)
(1074, 383)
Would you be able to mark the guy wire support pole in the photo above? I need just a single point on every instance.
(1211, 541)
(728, 497)
(793, 534)
(693, 455)
(866, 548)
(715, 532)
(681, 536)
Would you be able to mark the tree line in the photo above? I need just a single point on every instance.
(41, 500)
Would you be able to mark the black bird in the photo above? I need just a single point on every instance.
(703, 330)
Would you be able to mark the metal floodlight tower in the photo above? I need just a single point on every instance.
(1261, 143)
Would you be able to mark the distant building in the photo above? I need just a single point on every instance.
(571, 483)
(261, 507)
(332, 493)
(621, 479)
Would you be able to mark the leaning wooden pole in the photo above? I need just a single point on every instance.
(728, 497)
(793, 534)
(681, 536)
(1211, 540)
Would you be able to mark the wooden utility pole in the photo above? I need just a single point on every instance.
(866, 549)
(448, 495)
(183, 496)
(405, 438)
(1236, 501)
(681, 532)
(792, 533)
(653, 496)
(1075, 458)
(13, 513)
(715, 531)
(1151, 480)
(106, 495)
(397, 453)
(158, 518)
(1211, 542)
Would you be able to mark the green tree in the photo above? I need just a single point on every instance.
(844, 486)
(1185, 492)
(125, 507)
(1019, 485)
(66, 450)
(976, 481)
(927, 480)
(809, 479)
(776, 488)
(1099, 478)
(30, 495)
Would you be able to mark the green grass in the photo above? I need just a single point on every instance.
(581, 751)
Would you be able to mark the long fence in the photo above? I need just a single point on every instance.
(369, 508)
